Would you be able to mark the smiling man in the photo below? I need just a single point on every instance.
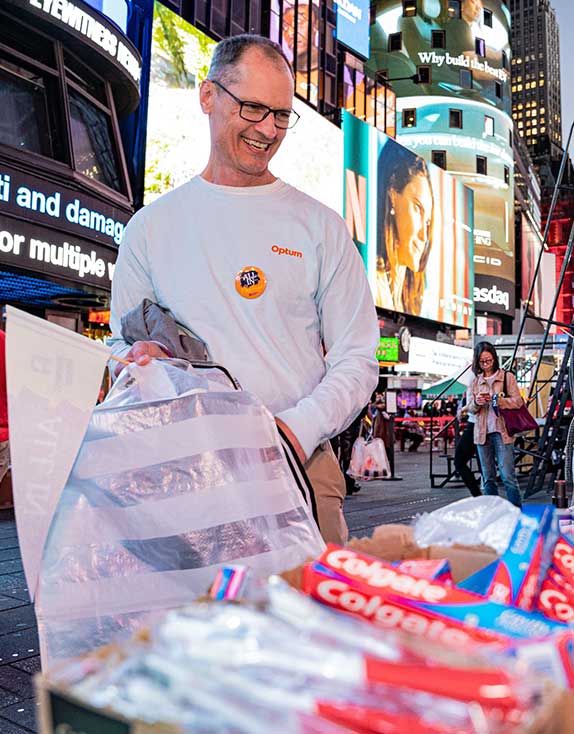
(267, 276)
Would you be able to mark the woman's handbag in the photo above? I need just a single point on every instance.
(516, 420)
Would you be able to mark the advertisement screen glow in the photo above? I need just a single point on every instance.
(353, 18)
(116, 10)
(412, 223)
(468, 56)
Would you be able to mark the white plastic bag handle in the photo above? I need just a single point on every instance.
(153, 380)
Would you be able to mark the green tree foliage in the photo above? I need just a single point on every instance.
(171, 35)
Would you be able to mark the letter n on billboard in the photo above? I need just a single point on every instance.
(356, 206)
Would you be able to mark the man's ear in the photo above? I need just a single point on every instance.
(206, 94)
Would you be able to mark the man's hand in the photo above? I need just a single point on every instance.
(292, 439)
(141, 353)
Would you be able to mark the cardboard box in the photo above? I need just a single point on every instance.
(61, 712)
(397, 543)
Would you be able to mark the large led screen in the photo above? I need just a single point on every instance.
(310, 158)
(465, 45)
(116, 10)
(412, 223)
(483, 138)
(540, 303)
(353, 20)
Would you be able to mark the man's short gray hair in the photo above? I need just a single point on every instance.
(228, 54)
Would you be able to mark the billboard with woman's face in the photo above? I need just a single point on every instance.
(464, 44)
(413, 224)
(485, 132)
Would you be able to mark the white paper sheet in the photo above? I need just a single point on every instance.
(53, 377)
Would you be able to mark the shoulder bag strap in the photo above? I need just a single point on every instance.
(504, 385)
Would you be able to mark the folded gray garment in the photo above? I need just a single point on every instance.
(151, 322)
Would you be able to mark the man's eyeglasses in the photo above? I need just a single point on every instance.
(255, 112)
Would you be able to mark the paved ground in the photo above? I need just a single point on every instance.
(376, 503)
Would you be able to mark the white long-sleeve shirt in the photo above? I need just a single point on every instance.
(184, 251)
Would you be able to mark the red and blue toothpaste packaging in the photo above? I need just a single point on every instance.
(388, 596)
(518, 575)
(438, 569)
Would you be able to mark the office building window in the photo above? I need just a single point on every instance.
(466, 79)
(395, 42)
(506, 175)
(438, 157)
(481, 165)
(409, 118)
(488, 125)
(409, 8)
(498, 89)
(424, 74)
(24, 124)
(455, 119)
(504, 60)
(487, 17)
(438, 39)
(480, 46)
(454, 9)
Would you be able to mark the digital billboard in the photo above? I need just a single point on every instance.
(116, 10)
(310, 158)
(353, 21)
(300, 42)
(540, 303)
(412, 223)
(465, 46)
(388, 349)
(484, 134)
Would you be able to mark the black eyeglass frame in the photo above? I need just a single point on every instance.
(270, 110)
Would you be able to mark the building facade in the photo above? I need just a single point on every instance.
(536, 96)
(68, 76)
(449, 63)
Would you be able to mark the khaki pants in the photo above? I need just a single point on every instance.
(330, 491)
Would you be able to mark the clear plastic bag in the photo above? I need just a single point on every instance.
(486, 520)
(369, 460)
(163, 492)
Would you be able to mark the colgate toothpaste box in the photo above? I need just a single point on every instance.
(563, 558)
(438, 569)
(555, 601)
(552, 657)
(522, 568)
(358, 584)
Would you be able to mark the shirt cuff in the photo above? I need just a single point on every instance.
(304, 432)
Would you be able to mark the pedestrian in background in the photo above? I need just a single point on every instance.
(465, 452)
(495, 446)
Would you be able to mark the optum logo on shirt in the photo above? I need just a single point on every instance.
(286, 251)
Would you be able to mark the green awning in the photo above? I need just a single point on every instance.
(444, 389)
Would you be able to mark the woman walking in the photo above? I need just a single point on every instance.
(495, 446)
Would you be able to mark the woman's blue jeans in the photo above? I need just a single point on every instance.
(495, 453)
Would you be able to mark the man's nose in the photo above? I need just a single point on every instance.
(267, 126)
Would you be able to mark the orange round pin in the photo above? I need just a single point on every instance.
(250, 282)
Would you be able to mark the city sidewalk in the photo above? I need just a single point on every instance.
(377, 503)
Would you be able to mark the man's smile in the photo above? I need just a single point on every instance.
(256, 144)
